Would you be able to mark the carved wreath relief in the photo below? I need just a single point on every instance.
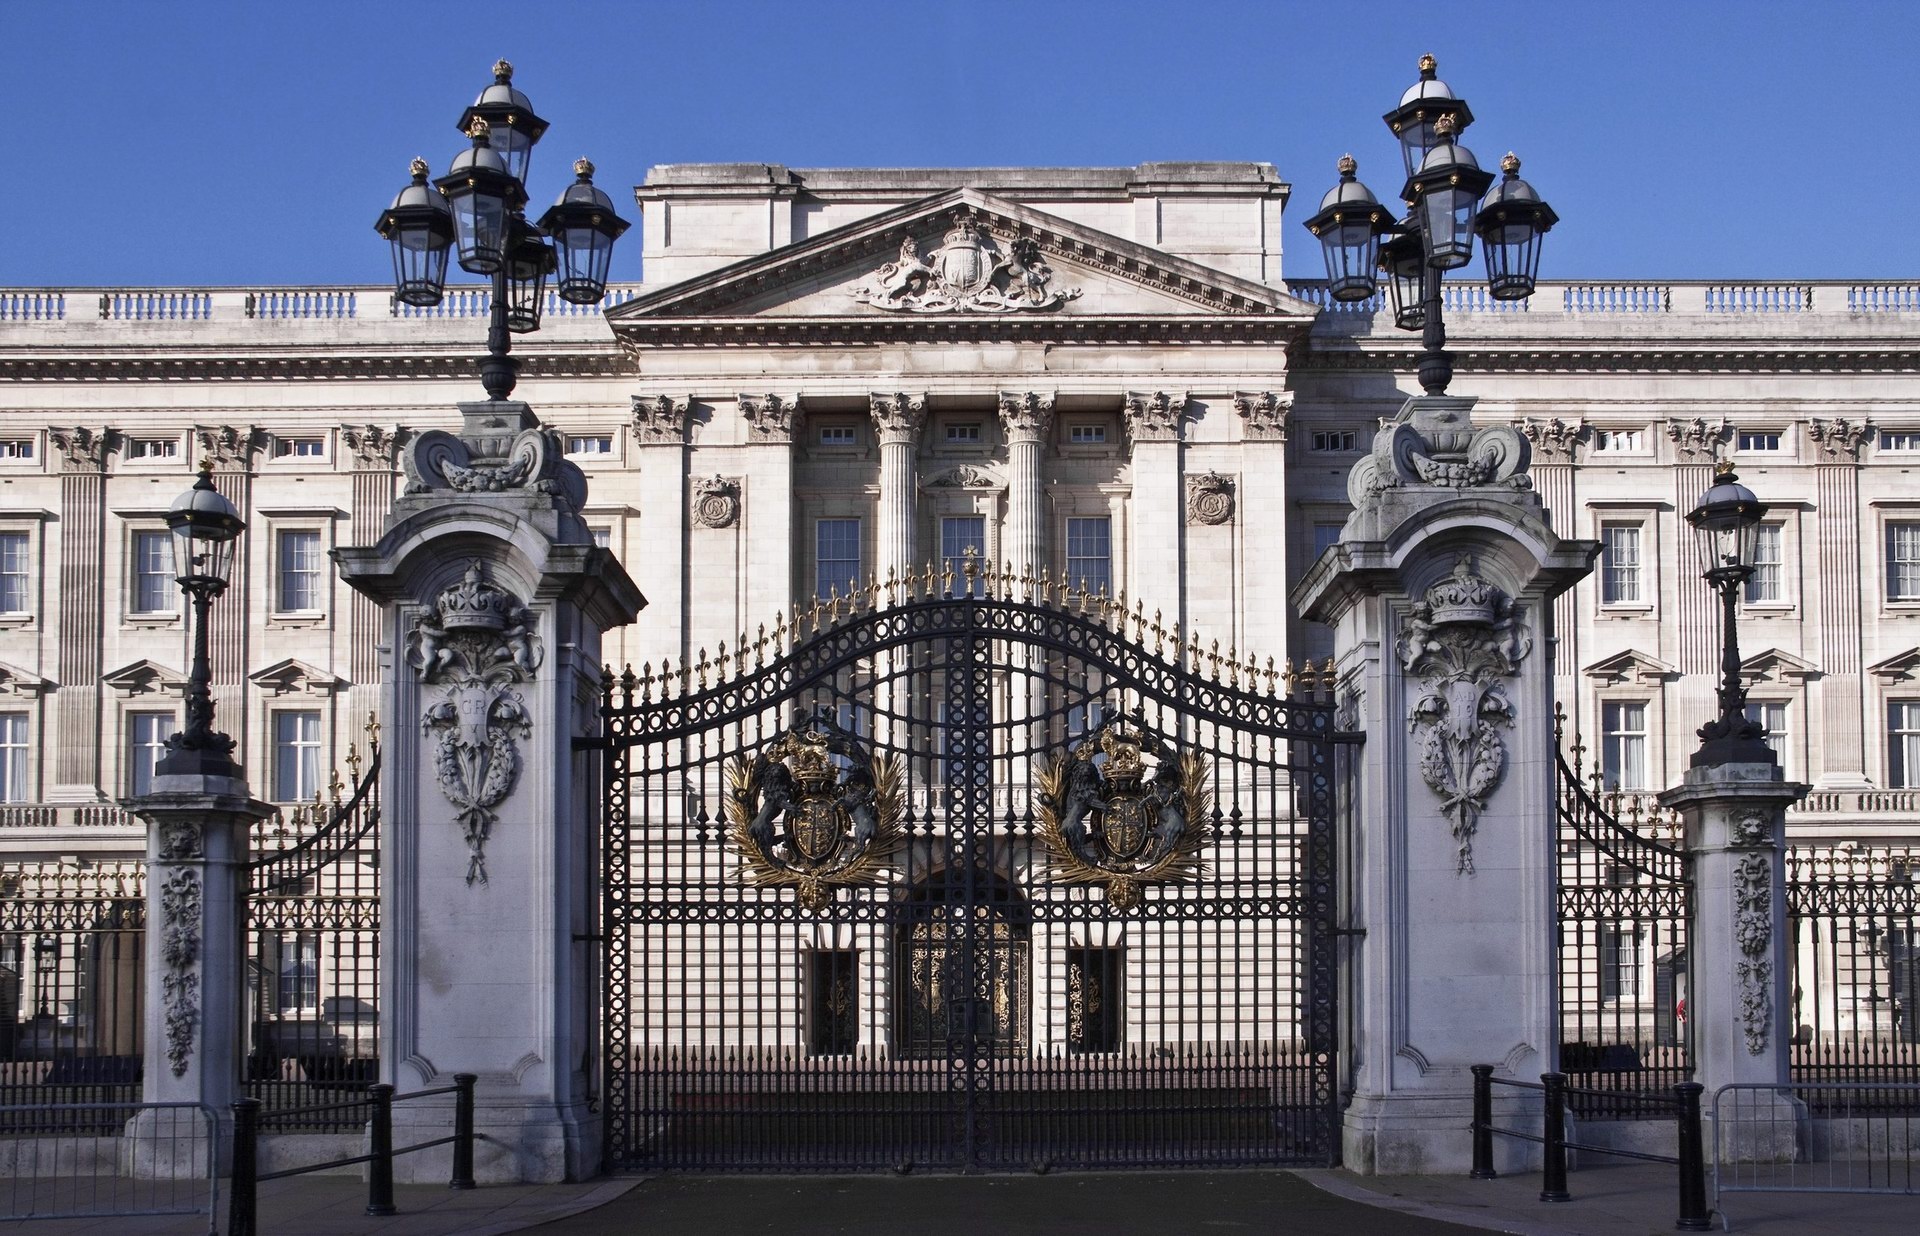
(477, 643)
(1123, 809)
(815, 809)
(1462, 638)
(968, 273)
(716, 501)
(1209, 498)
(180, 906)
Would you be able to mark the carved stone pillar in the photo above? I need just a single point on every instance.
(195, 961)
(662, 456)
(1740, 993)
(1696, 606)
(1842, 692)
(1262, 516)
(1437, 592)
(765, 531)
(76, 761)
(495, 602)
(1027, 418)
(1153, 422)
(1557, 445)
(897, 420)
(374, 449)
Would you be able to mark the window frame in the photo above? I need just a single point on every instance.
(1783, 750)
(16, 758)
(139, 767)
(137, 534)
(957, 562)
(1891, 524)
(1903, 773)
(34, 456)
(1067, 546)
(138, 450)
(1638, 441)
(322, 577)
(1782, 598)
(819, 561)
(284, 452)
(284, 749)
(1333, 441)
(1641, 598)
(1611, 763)
(28, 576)
(609, 455)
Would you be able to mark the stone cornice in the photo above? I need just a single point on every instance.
(347, 363)
(639, 337)
(1614, 356)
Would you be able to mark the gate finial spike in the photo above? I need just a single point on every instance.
(1213, 660)
(1287, 677)
(893, 587)
(946, 577)
(1328, 676)
(1159, 633)
(703, 669)
(373, 732)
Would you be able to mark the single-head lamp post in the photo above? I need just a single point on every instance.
(206, 530)
(1726, 523)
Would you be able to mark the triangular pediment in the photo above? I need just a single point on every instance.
(1901, 667)
(890, 270)
(1631, 666)
(145, 677)
(1776, 666)
(17, 681)
(293, 676)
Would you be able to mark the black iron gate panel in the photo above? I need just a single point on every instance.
(968, 883)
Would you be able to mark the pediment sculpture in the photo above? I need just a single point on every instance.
(1123, 809)
(969, 273)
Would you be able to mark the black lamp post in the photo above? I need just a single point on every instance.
(206, 531)
(1726, 523)
(478, 211)
(1450, 199)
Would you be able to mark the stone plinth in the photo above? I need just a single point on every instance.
(1440, 595)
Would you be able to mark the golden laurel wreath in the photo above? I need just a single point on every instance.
(845, 862)
(1125, 879)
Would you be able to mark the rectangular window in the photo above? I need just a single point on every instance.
(602, 537)
(1332, 440)
(836, 556)
(1903, 744)
(1086, 435)
(1090, 554)
(1094, 1021)
(1623, 752)
(16, 450)
(963, 431)
(1903, 561)
(300, 571)
(1768, 581)
(147, 734)
(1620, 961)
(296, 756)
(153, 448)
(1325, 537)
(299, 977)
(839, 435)
(15, 583)
(1620, 564)
(963, 540)
(1772, 716)
(592, 444)
(1900, 440)
(1619, 441)
(1084, 718)
(13, 758)
(833, 1002)
(299, 447)
(1759, 440)
(155, 590)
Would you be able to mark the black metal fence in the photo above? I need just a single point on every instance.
(313, 941)
(1852, 914)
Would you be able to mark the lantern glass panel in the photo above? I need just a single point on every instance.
(1416, 139)
(419, 264)
(1408, 279)
(1512, 249)
(480, 226)
(1725, 539)
(586, 255)
(1353, 254)
(514, 147)
(527, 285)
(202, 554)
(1447, 215)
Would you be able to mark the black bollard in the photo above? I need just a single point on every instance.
(243, 1185)
(1482, 1123)
(462, 1131)
(380, 1138)
(1694, 1215)
(1553, 1173)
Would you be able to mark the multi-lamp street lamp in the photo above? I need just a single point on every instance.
(1450, 199)
(477, 212)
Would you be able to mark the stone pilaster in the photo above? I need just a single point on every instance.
(1261, 512)
(83, 510)
(765, 525)
(1437, 592)
(1697, 617)
(1557, 447)
(195, 1011)
(1841, 688)
(1027, 419)
(1153, 421)
(662, 457)
(495, 602)
(1740, 998)
(897, 421)
(232, 449)
(373, 450)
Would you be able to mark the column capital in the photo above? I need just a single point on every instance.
(1698, 436)
(1840, 439)
(82, 449)
(769, 418)
(1556, 441)
(230, 447)
(1026, 416)
(375, 447)
(660, 420)
(898, 418)
(1263, 414)
(1155, 416)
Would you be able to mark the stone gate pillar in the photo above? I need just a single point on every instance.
(494, 600)
(1439, 594)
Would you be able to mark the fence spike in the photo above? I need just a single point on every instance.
(373, 733)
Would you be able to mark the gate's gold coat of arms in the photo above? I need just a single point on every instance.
(815, 809)
(1106, 818)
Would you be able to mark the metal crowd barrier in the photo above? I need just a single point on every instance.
(1843, 1137)
(104, 1160)
(1683, 1105)
(242, 1211)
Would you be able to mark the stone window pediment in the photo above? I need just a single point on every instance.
(1903, 667)
(1776, 666)
(295, 677)
(1630, 668)
(145, 677)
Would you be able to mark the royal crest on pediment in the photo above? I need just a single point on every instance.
(969, 273)
(815, 808)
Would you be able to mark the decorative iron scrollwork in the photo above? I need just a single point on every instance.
(1108, 818)
(815, 809)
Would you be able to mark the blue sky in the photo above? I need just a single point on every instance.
(236, 143)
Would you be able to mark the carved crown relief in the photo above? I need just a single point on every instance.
(716, 501)
(1209, 498)
(475, 643)
(964, 476)
(970, 272)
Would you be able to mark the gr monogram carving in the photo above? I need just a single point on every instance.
(476, 644)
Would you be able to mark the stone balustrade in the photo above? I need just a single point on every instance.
(57, 306)
(1608, 298)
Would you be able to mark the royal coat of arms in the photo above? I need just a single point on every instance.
(1124, 809)
(969, 272)
(815, 809)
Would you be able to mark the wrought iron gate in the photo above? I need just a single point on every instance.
(963, 882)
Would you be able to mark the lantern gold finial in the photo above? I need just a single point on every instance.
(1511, 164)
(418, 168)
(479, 128)
(502, 71)
(1723, 470)
(1445, 125)
(583, 168)
(1347, 165)
(206, 465)
(1427, 65)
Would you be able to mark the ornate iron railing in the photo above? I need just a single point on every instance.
(313, 947)
(1622, 894)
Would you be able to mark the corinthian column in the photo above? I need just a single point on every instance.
(896, 421)
(1026, 418)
